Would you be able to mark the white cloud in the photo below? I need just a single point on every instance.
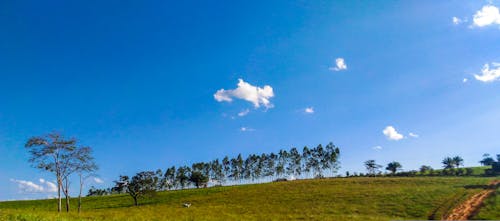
(489, 75)
(456, 20)
(243, 113)
(31, 187)
(413, 135)
(98, 180)
(465, 80)
(309, 110)
(377, 148)
(391, 133)
(246, 129)
(488, 15)
(256, 95)
(339, 65)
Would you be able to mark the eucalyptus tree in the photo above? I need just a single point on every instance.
(226, 166)
(294, 163)
(169, 178)
(182, 177)
(282, 162)
(269, 167)
(51, 153)
(217, 172)
(333, 154)
(306, 155)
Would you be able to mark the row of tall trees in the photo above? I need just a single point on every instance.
(310, 162)
(64, 158)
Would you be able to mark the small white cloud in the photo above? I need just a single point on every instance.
(243, 113)
(413, 135)
(456, 20)
(488, 15)
(246, 129)
(245, 91)
(339, 65)
(98, 180)
(391, 133)
(489, 75)
(377, 148)
(31, 187)
(309, 110)
(465, 80)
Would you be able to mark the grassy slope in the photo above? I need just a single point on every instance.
(327, 199)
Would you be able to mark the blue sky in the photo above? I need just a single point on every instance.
(141, 81)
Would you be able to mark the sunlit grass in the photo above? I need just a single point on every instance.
(326, 199)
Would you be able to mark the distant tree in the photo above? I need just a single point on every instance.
(169, 180)
(217, 171)
(198, 178)
(332, 154)
(182, 177)
(269, 168)
(141, 185)
(487, 160)
(85, 166)
(425, 169)
(393, 167)
(306, 155)
(282, 161)
(448, 163)
(372, 167)
(51, 153)
(226, 166)
(458, 161)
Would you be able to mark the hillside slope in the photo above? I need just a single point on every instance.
(325, 199)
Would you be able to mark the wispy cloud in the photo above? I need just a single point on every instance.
(30, 187)
(243, 113)
(309, 110)
(339, 65)
(246, 129)
(391, 133)
(414, 135)
(256, 95)
(377, 148)
(489, 74)
(98, 180)
(457, 20)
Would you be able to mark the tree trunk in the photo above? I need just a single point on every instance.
(67, 195)
(135, 201)
(80, 194)
(59, 202)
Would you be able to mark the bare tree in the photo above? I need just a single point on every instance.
(50, 153)
(85, 167)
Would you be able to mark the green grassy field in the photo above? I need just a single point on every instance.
(360, 198)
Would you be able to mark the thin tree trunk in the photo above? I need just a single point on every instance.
(67, 195)
(59, 201)
(80, 194)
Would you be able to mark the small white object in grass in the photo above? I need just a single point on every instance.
(187, 205)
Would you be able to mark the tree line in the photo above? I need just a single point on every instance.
(309, 163)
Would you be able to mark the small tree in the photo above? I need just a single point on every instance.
(448, 163)
(458, 161)
(141, 185)
(424, 169)
(487, 160)
(84, 166)
(393, 167)
(372, 167)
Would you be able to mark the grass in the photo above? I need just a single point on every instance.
(491, 208)
(360, 198)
